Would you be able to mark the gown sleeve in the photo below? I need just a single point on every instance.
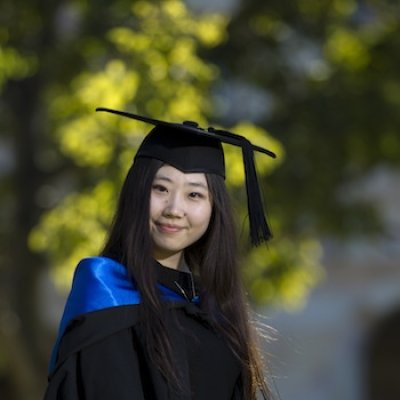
(110, 369)
(98, 364)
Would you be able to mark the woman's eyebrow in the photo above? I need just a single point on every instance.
(197, 184)
(162, 178)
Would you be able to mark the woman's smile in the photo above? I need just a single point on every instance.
(168, 228)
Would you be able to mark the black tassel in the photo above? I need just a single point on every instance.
(259, 229)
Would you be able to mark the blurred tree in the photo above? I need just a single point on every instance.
(330, 88)
(324, 78)
(24, 38)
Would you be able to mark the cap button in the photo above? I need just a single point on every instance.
(191, 123)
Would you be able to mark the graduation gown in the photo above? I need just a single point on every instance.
(100, 354)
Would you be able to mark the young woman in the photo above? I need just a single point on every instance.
(161, 314)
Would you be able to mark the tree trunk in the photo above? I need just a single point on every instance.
(22, 330)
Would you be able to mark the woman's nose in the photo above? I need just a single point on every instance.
(175, 207)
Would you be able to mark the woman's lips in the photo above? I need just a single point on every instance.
(168, 228)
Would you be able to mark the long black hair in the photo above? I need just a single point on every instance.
(213, 257)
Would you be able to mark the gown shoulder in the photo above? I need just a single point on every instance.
(99, 358)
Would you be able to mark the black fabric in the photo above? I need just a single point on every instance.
(102, 355)
(188, 152)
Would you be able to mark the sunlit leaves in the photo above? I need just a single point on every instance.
(209, 30)
(84, 138)
(284, 272)
(14, 65)
(265, 164)
(116, 85)
(166, 38)
(86, 142)
(76, 228)
(346, 49)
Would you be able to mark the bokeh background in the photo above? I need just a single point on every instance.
(317, 81)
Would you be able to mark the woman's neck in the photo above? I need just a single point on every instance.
(177, 261)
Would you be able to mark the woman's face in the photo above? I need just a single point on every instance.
(180, 211)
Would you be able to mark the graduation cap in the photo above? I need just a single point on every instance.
(190, 148)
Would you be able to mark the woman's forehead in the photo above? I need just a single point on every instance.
(169, 173)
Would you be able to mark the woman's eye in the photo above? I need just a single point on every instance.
(159, 188)
(196, 195)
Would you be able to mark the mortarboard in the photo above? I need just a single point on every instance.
(190, 148)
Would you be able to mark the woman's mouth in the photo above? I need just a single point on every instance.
(168, 228)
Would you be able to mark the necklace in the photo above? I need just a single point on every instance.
(195, 297)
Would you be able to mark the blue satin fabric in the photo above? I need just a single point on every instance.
(98, 283)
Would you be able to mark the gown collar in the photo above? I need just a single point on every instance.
(182, 282)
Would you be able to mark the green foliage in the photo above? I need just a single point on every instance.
(346, 49)
(13, 65)
(150, 63)
(331, 70)
(272, 278)
(76, 228)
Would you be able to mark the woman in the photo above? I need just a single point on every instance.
(161, 313)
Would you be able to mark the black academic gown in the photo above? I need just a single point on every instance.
(102, 356)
